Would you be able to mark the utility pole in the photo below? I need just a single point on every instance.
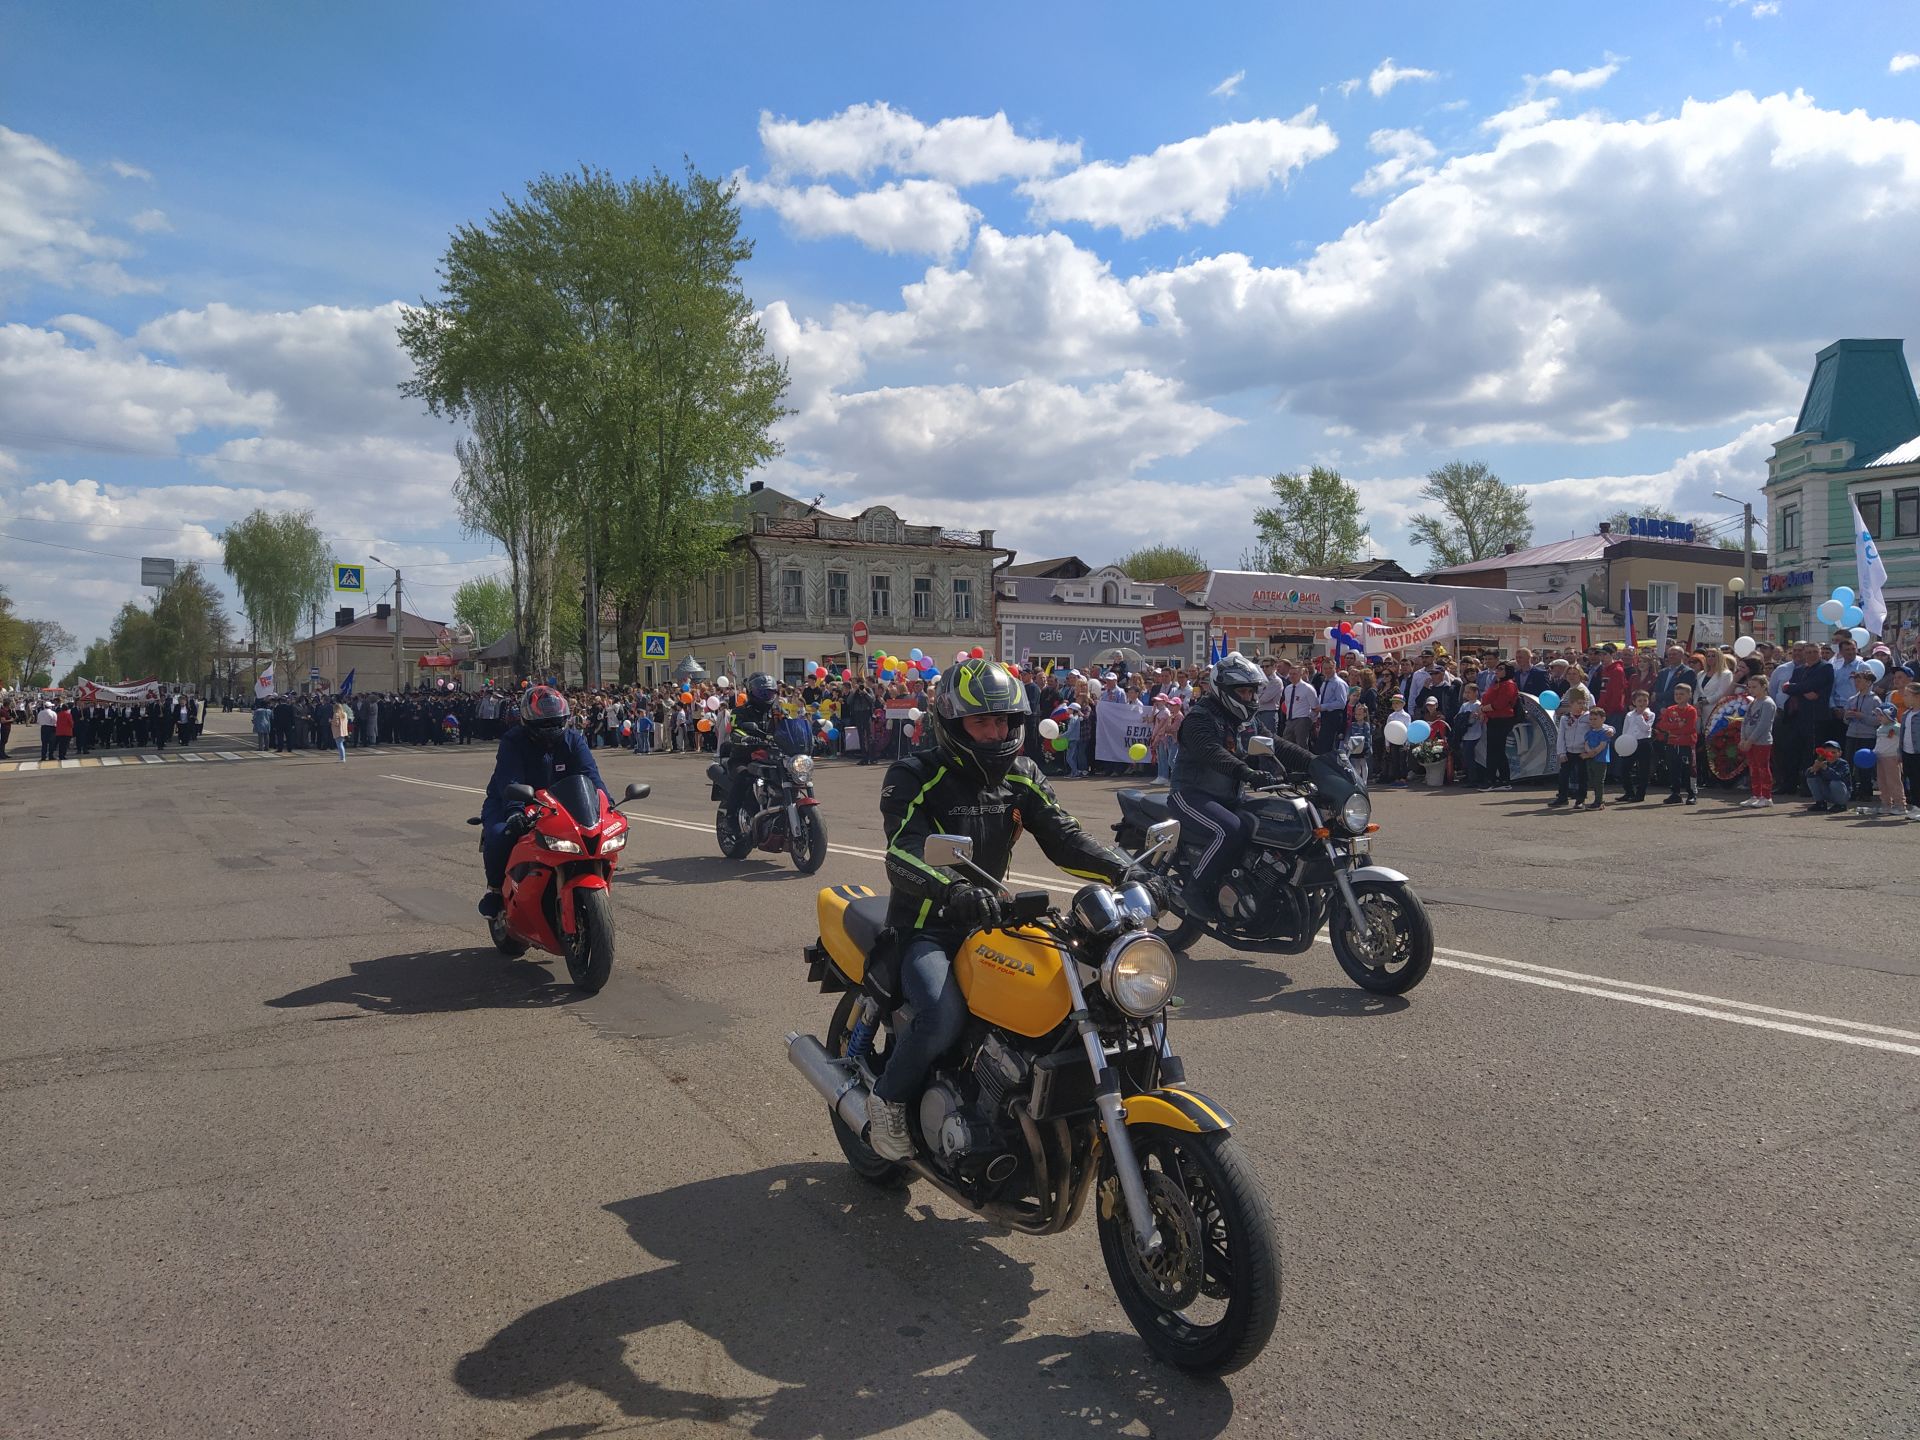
(399, 665)
(1746, 570)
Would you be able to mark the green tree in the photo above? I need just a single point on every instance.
(486, 606)
(1479, 514)
(283, 569)
(190, 624)
(36, 644)
(134, 644)
(608, 318)
(95, 664)
(1313, 523)
(1160, 562)
(503, 492)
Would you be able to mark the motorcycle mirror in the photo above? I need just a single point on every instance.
(947, 850)
(520, 794)
(1161, 838)
(1260, 745)
(637, 791)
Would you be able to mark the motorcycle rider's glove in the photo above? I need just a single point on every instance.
(975, 907)
(518, 824)
(1153, 882)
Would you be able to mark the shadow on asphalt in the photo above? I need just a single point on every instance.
(712, 869)
(871, 1313)
(1226, 988)
(424, 982)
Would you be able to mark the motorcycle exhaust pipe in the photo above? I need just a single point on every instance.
(839, 1086)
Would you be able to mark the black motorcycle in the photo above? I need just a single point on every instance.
(781, 814)
(1306, 865)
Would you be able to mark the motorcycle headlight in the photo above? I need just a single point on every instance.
(1356, 812)
(613, 842)
(1138, 974)
(565, 847)
(801, 765)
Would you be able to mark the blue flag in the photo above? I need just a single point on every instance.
(346, 685)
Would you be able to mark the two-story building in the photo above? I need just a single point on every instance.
(1856, 442)
(801, 583)
(1065, 615)
(1287, 616)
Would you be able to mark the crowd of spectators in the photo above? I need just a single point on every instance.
(68, 729)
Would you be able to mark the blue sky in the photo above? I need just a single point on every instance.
(1595, 245)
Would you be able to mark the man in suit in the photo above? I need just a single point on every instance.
(1531, 678)
(1806, 716)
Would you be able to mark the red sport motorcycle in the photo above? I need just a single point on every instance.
(556, 886)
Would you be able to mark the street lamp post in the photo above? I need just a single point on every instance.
(1746, 571)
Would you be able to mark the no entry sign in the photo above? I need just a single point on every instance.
(860, 633)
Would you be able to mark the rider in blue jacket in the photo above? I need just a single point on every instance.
(537, 751)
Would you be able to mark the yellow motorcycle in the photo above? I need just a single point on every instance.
(1062, 1084)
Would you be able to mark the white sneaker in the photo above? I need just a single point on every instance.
(1762, 804)
(887, 1133)
(1913, 812)
(1748, 804)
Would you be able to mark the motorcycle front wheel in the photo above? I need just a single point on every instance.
(590, 949)
(1395, 951)
(1208, 1300)
(809, 847)
(866, 1164)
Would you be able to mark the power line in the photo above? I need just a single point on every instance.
(77, 549)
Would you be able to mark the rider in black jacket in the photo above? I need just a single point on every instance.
(1208, 776)
(975, 782)
(752, 726)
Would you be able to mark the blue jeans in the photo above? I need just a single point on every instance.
(1169, 757)
(1837, 793)
(496, 847)
(939, 1014)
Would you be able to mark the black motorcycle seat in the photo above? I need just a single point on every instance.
(865, 919)
(1144, 807)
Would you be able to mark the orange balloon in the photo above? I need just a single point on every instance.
(704, 725)
(741, 698)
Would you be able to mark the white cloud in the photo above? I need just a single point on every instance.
(1739, 467)
(1902, 63)
(1763, 8)
(1348, 86)
(150, 222)
(1230, 85)
(923, 217)
(1406, 155)
(1190, 181)
(962, 150)
(128, 172)
(44, 231)
(1564, 79)
(1523, 116)
(1386, 75)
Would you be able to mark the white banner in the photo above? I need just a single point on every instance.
(1122, 725)
(1438, 623)
(263, 687)
(89, 692)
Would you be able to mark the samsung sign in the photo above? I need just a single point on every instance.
(1660, 529)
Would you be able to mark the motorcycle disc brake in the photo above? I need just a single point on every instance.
(1172, 1278)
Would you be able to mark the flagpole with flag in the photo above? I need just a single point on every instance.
(346, 685)
(1873, 574)
(1586, 635)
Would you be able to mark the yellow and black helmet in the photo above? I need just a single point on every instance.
(980, 687)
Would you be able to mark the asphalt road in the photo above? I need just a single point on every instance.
(290, 1151)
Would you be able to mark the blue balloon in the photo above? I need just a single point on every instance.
(1844, 594)
(1549, 701)
(1853, 616)
(1418, 731)
(915, 656)
(1863, 759)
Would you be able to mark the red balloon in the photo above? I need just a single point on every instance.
(977, 653)
(1346, 627)
(846, 674)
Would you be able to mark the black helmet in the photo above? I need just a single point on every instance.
(1235, 674)
(980, 687)
(761, 688)
(544, 711)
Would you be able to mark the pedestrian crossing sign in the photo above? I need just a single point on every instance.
(350, 577)
(653, 645)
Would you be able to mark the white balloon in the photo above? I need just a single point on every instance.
(1831, 611)
(1743, 647)
(1049, 729)
(724, 682)
(1396, 732)
(914, 715)
(1625, 745)
(1879, 669)
(1861, 635)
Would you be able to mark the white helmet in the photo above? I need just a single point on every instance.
(1237, 673)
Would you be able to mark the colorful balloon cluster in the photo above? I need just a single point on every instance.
(1843, 611)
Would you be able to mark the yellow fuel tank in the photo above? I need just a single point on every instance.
(1015, 979)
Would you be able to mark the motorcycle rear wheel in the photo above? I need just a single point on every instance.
(734, 844)
(1401, 951)
(809, 847)
(870, 1167)
(1209, 1312)
(504, 940)
(590, 950)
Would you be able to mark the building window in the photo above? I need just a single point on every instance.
(922, 597)
(719, 596)
(836, 592)
(682, 607)
(792, 592)
(880, 598)
(1378, 610)
(740, 591)
(1834, 454)
(1906, 513)
(1706, 600)
(1789, 536)
(1663, 597)
(1870, 512)
(962, 599)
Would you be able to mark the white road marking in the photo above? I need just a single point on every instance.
(111, 760)
(1631, 992)
(228, 754)
(29, 764)
(152, 760)
(69, 764)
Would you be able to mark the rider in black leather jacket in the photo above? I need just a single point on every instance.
(751, 726)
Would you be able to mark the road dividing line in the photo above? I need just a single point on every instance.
(1631, 992)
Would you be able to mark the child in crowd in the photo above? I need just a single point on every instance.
(1910, 748)
(1637, 768)
(1472, 731)
(1360, 742)
(1596, 749)
(1569, 743)
(1394, 770)
(1679, 730)
(1863, 711)
(1886, 767)
(1076, 745)
(1756, 743)
(1830, 779)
